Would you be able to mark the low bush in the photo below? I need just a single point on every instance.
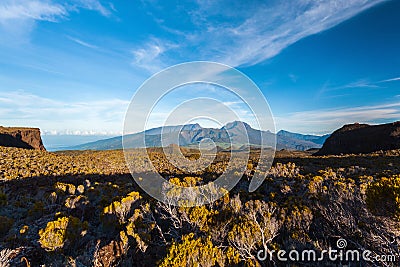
(58, 233)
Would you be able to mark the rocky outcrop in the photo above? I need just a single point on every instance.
(362, 138)
(21, 137)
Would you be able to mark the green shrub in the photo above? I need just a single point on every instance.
(245, 236)
(200, 216)
(193, 252)
(120, 209)
(139, 228)
(383, 196)
(66, 188)
(56, 233)
(315, 184)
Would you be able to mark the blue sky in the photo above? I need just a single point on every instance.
(72, 66)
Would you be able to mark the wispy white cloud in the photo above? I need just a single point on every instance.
(19, 17)
(81, 132)
(96, 116)
(231, 103)
(358, 84)
(330, 119)
(207, 109)
(149, 55)
(362, 83)
(31, 9)
(83, 43)
(47, 10)
(391, 80)
(95, 5)
(247, 33)
(271, 29)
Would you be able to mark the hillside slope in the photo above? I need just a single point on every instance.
(362, 138)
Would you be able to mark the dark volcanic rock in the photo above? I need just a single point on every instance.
(362, 138)
(21, 137)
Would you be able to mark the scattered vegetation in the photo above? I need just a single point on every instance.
(383, 196)
(193, 252)
(82, 208)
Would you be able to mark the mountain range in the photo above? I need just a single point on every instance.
(232, 135)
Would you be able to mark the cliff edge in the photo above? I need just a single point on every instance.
(21, 137)
(362, 138)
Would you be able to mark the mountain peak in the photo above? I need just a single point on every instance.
(191, 127)
(283, 132)
(236, 124)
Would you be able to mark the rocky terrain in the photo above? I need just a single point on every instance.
(82, 208)
(21, 137)
(362, 138)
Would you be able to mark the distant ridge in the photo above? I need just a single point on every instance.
(362, 138)
(300, 142)
(306, 137)
(240, 135)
